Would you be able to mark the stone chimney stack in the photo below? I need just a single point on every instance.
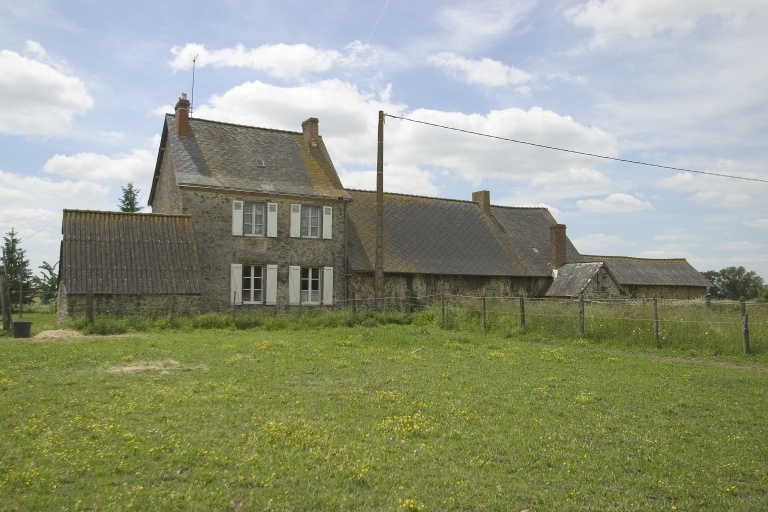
(182, 116)
(311, 136)
(483, 200)
(557, 257)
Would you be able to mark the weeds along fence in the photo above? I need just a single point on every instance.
(716, 327)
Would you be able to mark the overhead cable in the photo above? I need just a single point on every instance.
(583, 153)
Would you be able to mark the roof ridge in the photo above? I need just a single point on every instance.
(401, 194)
(239, 125)
(634, 258)
(110, 212)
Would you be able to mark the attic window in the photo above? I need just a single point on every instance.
(260, 162)
(535, 250)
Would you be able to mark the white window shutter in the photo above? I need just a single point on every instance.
(271, 298)
(328, 286)
(294, 284)
(272, 220)
(237, 218)
(295, 220)
(327, 222)
(236, 285)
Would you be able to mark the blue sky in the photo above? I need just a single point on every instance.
(681, 83)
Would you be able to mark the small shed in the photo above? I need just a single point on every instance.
(593, 279)
(660, 278)
(127, 263)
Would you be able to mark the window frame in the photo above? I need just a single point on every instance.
(263, 225)
(252, 289)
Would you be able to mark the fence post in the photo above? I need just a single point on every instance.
(172, 309)
(522, 314)
(5, 306)
(744, 325)
(89, 308)
(656, 324)
(484, 325)
(581, 316)
(442, 311)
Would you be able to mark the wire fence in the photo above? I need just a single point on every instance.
(716, 327)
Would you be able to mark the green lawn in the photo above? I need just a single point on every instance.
(374, 418)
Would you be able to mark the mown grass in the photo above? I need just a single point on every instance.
(378, 417)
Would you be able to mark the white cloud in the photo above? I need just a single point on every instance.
(597, 243)
(38, 99)
(279, 60)
(137, 167)
(473, 24)
(646, 18)
(758, 223)
(348, 123)
(400, 179)
(717, 191)
(614, 203)
(487, 72)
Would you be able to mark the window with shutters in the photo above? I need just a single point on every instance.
(253, 284)
(311, 221)
(310, 285)
(253, 218)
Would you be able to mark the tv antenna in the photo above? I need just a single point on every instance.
(192, 102)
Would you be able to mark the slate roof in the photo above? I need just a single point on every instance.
(652, 272)
(427, 235)
(572, 278)
(225, 156)
(128, 253)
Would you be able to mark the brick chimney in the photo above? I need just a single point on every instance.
(483, 200)
(182, 116)
(557, 246)
(309, 127)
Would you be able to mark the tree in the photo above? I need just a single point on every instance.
(130, 200)
(732, 283)
(47, 285)
(15, 267)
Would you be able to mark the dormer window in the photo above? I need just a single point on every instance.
(260, 162)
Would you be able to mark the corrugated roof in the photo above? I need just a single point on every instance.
(226, 156)
(652, 272)
(128, 253)
(445, 236)
(572, 278)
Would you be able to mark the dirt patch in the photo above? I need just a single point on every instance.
(56, 334)
(164, 367)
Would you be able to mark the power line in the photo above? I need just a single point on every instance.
(544, 146)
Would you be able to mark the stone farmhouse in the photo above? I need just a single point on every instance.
(257, 219)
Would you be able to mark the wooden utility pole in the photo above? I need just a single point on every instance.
(378, 277)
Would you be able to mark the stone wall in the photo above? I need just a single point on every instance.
(602, 286)
(665, 292)
(400, 286)
(167, 197)
(218, 248)
(70, 306)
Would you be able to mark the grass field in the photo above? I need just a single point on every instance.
(394, 417)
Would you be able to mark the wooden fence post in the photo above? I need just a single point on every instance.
(522, 314)
(744, 325)
(581, 316)
(442, 311)
(483, 315)
(172, 309)
(656, 324)
(89, 308)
